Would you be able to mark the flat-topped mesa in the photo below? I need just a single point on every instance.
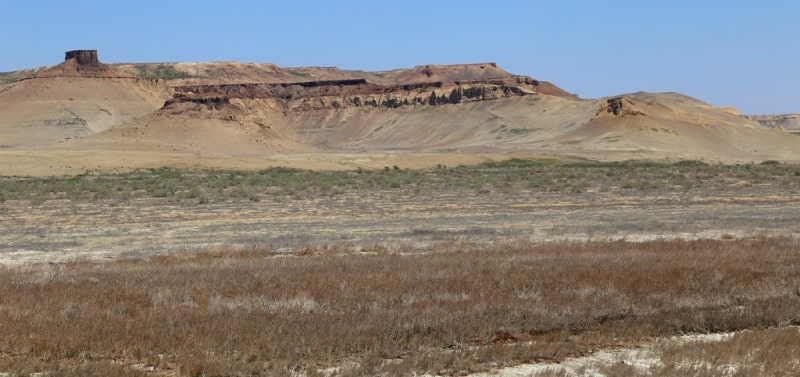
(85, 62)
(82, 63)
(83, 57)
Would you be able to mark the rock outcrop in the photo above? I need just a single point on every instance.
(82, 63)
(84, 58)
(618, 107)
(334, 94)
(786, 121)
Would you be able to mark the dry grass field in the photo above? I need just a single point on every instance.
(438, 271)
(457, 309)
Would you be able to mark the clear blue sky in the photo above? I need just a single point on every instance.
(739, 53)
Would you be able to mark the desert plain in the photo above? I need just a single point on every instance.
(247, 219)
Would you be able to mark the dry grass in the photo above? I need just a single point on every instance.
(757, 352)
(767, 352)
(458, 309)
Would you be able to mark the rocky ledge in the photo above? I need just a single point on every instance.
(326, 94)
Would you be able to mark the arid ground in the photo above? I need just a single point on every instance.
(495, 267)
(102, 215)
(214, 219)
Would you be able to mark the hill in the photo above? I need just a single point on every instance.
(257, 110)
(77, 98)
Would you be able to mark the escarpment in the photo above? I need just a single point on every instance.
(258, 108)
(360, 93)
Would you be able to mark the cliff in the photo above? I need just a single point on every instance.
(334, 94)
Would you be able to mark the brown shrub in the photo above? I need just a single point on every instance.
(451, 311)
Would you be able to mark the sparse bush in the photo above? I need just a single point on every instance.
(510, 177)
(459, 308)
(160, 71)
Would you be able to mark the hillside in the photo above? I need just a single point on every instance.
(789, 122)
(256, 110)
(77, 98)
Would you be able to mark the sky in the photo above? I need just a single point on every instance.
(727, 53)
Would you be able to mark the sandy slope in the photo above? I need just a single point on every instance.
(44, 162)
(46, 111)
(516, 123)
(673, 124)
(650, 126)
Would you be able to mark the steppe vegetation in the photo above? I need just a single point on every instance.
(160, 71)
(511, 177)
(456, 306)
(370, 311)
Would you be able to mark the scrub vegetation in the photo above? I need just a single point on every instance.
(515, 176)
(456, 309)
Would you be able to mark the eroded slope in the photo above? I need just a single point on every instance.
(246, 109)
(74, 99)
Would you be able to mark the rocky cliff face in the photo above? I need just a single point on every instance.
(213, 86)
(84, 58)
(359, 93)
